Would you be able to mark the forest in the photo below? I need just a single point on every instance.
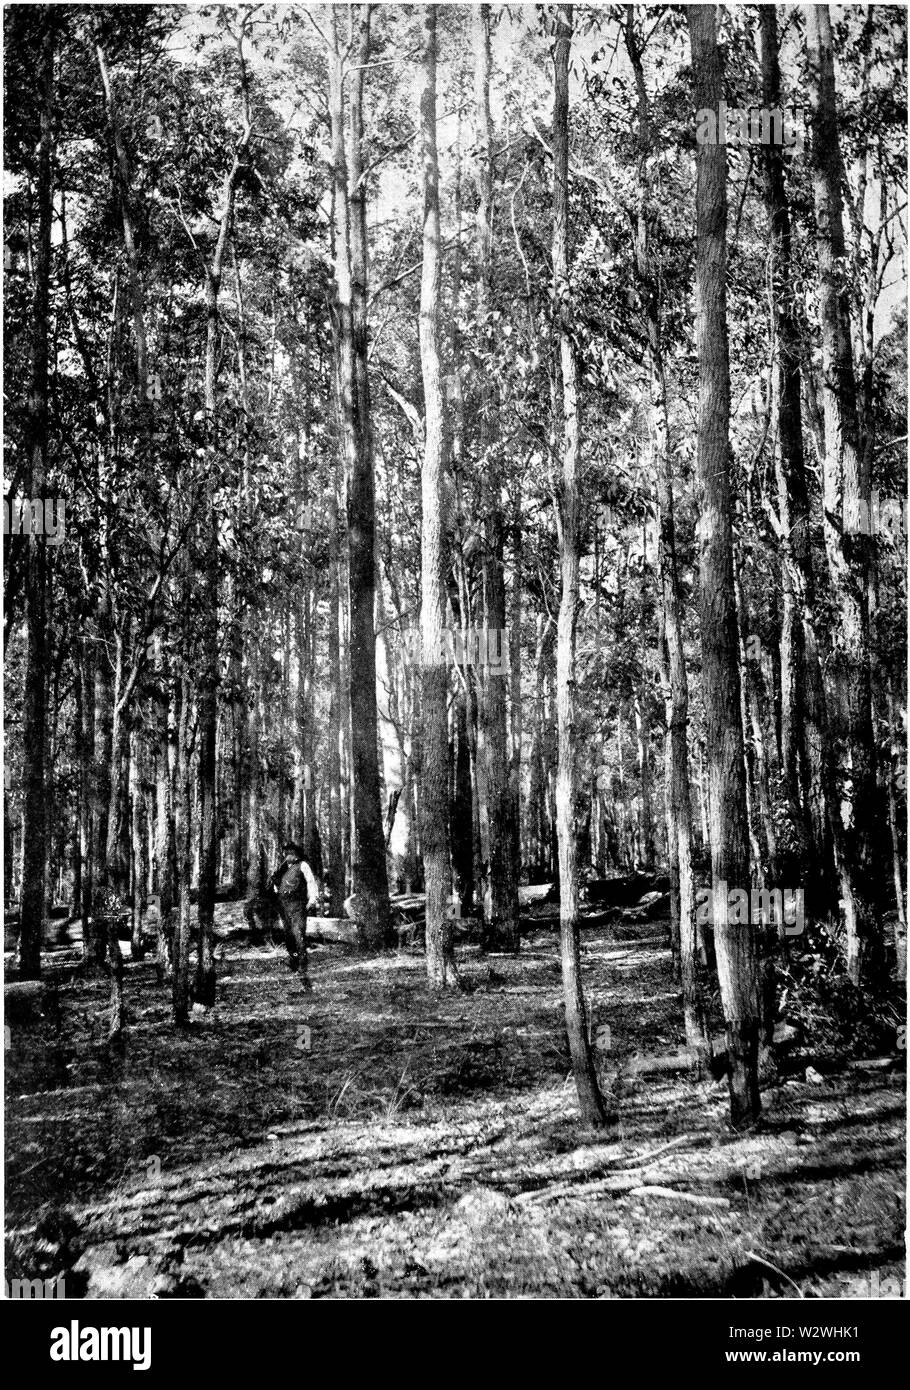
(464, 445)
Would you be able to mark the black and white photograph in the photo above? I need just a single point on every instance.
(455, 661)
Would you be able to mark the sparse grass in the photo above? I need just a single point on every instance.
(392, 1158)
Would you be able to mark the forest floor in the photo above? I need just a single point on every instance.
(374, 1140)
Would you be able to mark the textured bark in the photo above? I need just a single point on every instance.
(86, 684)
(847, 505)
(256, 869)
(589, 1097)
(642, 730)
(515, 710)
(895, 765)
(137, 847)
(802, 697)
(335, 851)
(673, 664)
(116, 853)
(370, 876)
(165, 828)
(738, 963)
(434, 784)
(180, 982)
(209, 675)
(34, 732)
(207, 699)
(496, 808)
(539, 833)
(124, 193)
(94, 942)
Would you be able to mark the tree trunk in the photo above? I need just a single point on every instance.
(165, 829)
(673, 663)
(589, 1097)
(496, 809)
(434, 785)
(370, 877)
(336, 794)
(34, 731)
(137, 850)
(738, 962)
(180, 983)
(847, 507)
(207, 698)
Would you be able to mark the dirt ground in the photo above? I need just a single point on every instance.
(374, 1140)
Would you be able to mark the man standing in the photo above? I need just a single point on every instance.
(295, 884)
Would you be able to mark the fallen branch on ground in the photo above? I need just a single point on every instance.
(695, 1198)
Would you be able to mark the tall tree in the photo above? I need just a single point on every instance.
(847, 506)
(497, 800)
(370, 875)
(209, 677)
(434, 786)
(34, 828)
(738, 965)
(673, 665)
(589, 1097)
(802, 695)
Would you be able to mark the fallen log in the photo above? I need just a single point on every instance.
(626, 890)
(254, 917)
(332, 929)
(531, 893)
(609, 1182)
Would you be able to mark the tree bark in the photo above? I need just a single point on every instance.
(496, 808)
(180, 983)
(34, 732)
(589, 1097)
(434, 786)
(370, 875)
(847, 508)
(673, 665)
(738, 963)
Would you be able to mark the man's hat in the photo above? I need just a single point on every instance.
(291, 848)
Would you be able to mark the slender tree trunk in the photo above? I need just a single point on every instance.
(180, 983)
(501, 931)
(738, 963)
(896, 763)
(207, 698)
(165, 829)
(116, 855)
(336, 853)
(255, 866)
(847, 508)
(673, 665)
(124, 189)
(94, 941)
(641, 704)
(370, 874)
(137, 852)
(589, 1097)
(434, 785)
(802, 698)
(34, 732)
(515, 719)
(86, 800)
